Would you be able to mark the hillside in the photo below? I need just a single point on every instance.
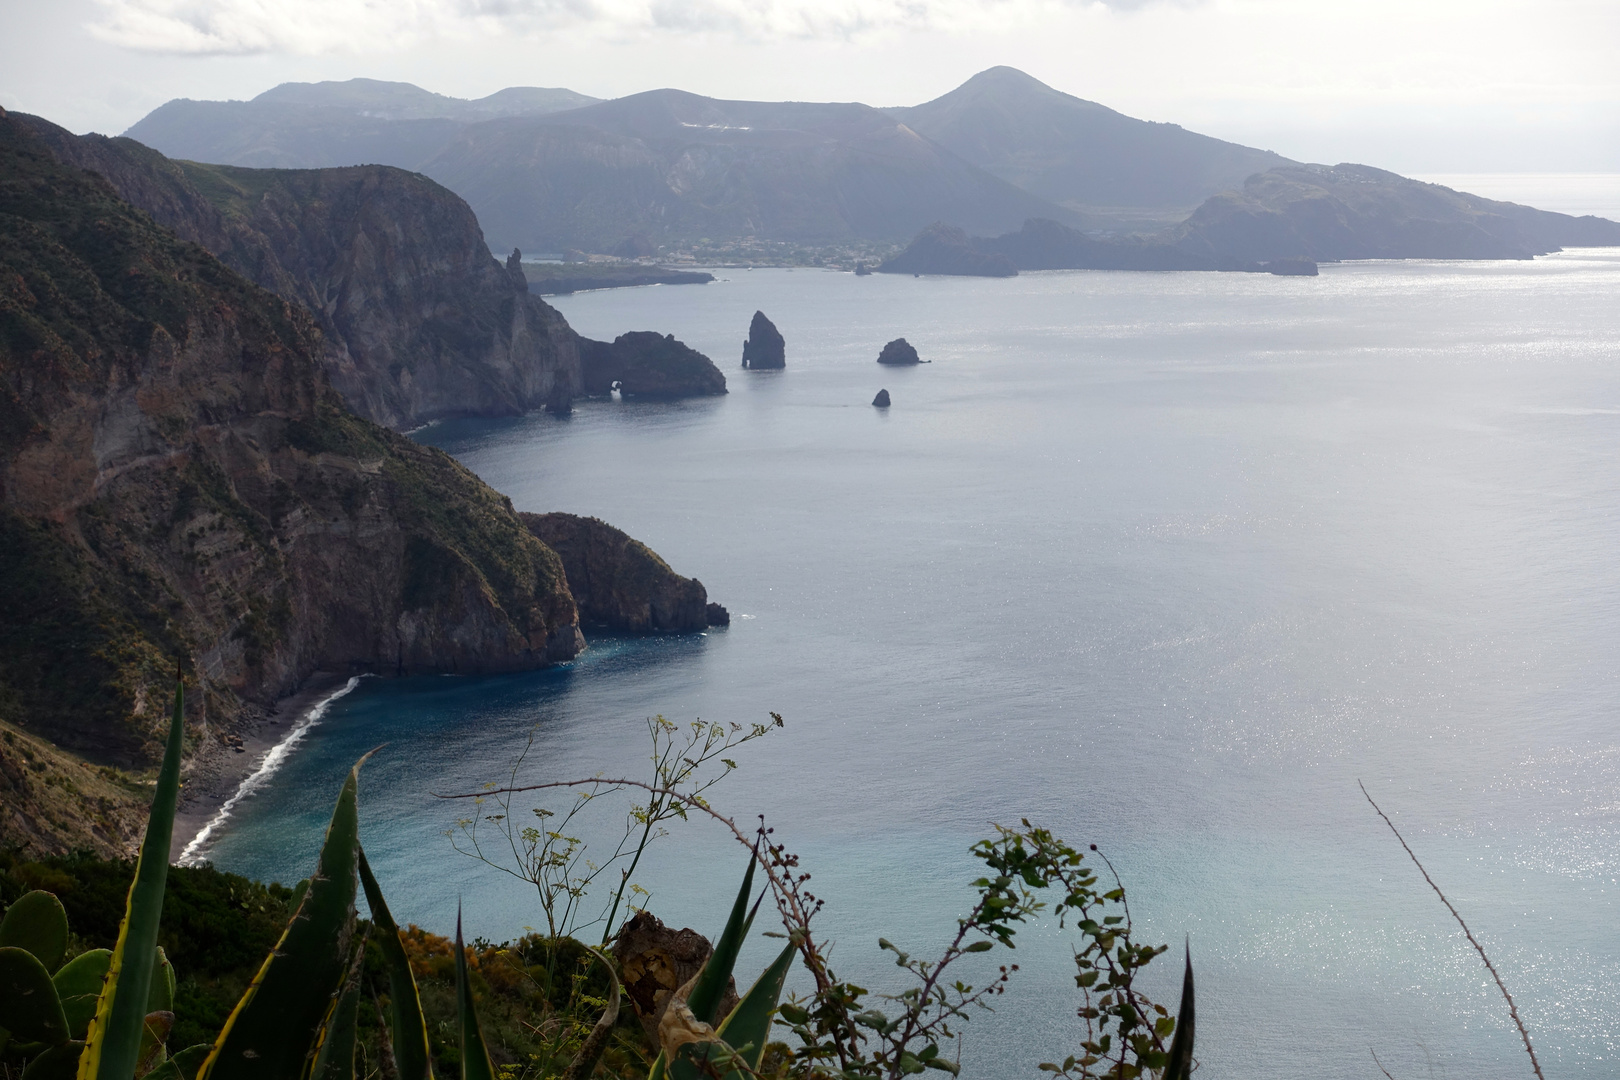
(179, 483)
(419, 321)
(667, 165)
(316, 125)
(1086, 157)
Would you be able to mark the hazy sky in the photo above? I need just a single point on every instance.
(1414, 85)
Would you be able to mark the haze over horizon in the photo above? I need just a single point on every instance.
(1509, 86)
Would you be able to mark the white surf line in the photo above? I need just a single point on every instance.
(273, 760)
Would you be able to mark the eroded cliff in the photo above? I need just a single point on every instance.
(179, 482)
(619, 582)
(419, 320)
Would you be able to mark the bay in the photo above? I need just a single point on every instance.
(1167, 562)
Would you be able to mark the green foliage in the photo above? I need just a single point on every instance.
(37, 922)
(78, 985)
(28, 1001)
(1031, 872)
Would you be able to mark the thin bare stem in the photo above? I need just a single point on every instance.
(1378, 1063)
(1513, 1010)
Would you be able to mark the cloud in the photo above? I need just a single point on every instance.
(241, 27)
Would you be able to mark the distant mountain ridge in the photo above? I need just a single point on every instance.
(550, 170)
(670, 165)
(1086, 157)
(330, 124)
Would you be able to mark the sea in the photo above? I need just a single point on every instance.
(1172, 564)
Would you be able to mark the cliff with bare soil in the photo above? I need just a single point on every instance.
(178, 480)
(419, 320)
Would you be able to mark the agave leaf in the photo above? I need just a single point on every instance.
(272, 1032)
(1180, 1064)
(750, 1022)
(78, 985)
(60, 1062)
(114, 1040)
(335, 1061)
(37, 922)
(710, 985)
(475, 1063)
(412, 1055)
(28, 1000)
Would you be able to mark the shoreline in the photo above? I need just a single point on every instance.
(218, 772)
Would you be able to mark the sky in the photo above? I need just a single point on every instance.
(1419, 86)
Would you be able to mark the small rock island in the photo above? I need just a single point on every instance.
(644, 364)
(765, 349)
(899, 351)
(882, 399)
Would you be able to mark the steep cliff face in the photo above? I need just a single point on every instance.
(419, 320)
(619, 582)
(178, 481)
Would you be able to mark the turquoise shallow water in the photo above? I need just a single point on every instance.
(1167, 561)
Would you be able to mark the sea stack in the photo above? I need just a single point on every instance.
(899, 351)
(764, 348)
(882, 399)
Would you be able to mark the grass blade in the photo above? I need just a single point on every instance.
(413, 1057)
(114, 1040)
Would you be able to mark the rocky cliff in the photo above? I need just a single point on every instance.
(419, 320)
(645, 364)
(620, 583)
(178, 481)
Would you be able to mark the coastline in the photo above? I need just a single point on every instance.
(218, 772)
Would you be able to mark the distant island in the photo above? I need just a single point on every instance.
(1284, 222)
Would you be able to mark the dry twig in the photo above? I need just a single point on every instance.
(1513, 1010)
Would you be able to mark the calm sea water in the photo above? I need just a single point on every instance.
(1165, 561)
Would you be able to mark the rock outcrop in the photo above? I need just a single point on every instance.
(764, 348)
(178, 480)
(419, 320)
(657, 961)
(645, 364)
(882, 399)
(620, 583)
(898, 351)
